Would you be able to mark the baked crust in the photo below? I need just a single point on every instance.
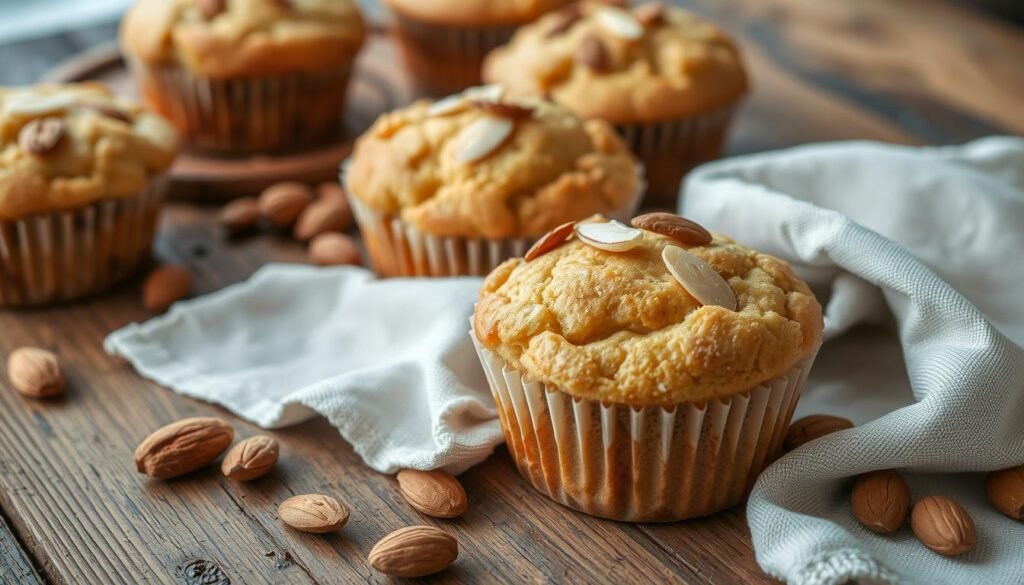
(111, 148)
(681, 67)
(618, 327)
(474, 12)
(249, 38)
(552, 169)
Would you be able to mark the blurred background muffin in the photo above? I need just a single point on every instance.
(445, 41)
(457, 186)
(667, 79)
(80, 189)
(245, 75)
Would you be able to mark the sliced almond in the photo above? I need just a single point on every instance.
(699, 279)
(550, 241)
(484, 93)
(42, 135)
(449, 105)
(612, 236)
(619, 23)
(33, 104)
(504, 110)
(482, 137)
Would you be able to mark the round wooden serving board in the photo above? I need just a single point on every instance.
(376, 87)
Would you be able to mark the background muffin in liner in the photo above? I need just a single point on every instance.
(425, 211)
(668, 80)
(81, 184)
(622, 396)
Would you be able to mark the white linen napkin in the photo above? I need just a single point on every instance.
(934, 237)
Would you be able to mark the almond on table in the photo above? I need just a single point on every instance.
(315, 513)
(35, 372)
(251, 459)
(414, 551)
(435, 493)
(165, 286)
(183, 447)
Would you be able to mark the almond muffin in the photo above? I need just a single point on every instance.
(245, 75)
(667, 79)
(445, 41)
(645, 374)
(80, 188)
(457, 186)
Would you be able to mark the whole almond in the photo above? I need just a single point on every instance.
(251, 458)
(812, 427)
(314, 513)
(240, 215)
(1005, 490)
(165, 286)
(35, 372)
(881, 501)
(332, 191)
(673, 226)
(183, 447)
(333, 249)
(550, 241)
(42, 135)
(435, 493)
(593, 54)
(943, 526)
(323, 215)
(414, 551)
(282, 203)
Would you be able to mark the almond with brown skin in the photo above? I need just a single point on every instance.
(593, 54)
(333, 249)
(943, 526)
(414, 551)
(812, 427)
(251, 458)
(42, 135)
(881, 501)
(165, 286)
(240, 215)
(211, 8)
(435, 493)
(650, 15)
(550, 241)
(35, 372)
(678, 228)
(282, 203)
(314, 513)
(332, 191)
(183, 447)
(322, 216)
(1005, 490)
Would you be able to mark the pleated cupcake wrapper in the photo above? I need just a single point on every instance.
(400, 249)
(61, 256)
(671, 149)
(648, 464)
(447, 59)
(247, 114)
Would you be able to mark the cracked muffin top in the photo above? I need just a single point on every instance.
(620, 327)
(474, 12)
(649, 64)
(243, 38)
(473, 165)
(65, 146)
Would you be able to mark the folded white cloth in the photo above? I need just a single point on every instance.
(934, 237)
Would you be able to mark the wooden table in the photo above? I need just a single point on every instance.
(75, 510)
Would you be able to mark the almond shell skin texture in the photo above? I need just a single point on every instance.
(183, 446)
(943, 526)
(813, 427)
(282, 203)
(881, 501)
(414, 551)
(250, 459)
(35, 372)
(435, 493)
(1005, 491)
(165, 286)
(315, 513)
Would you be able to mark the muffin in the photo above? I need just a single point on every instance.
(458, 186)
(668, 80)
(445, 41)
(80, 188)
(240, 76)
(645, 375)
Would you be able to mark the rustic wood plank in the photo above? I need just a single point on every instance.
(15, 566)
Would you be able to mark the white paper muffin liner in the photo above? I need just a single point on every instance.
(400, 249)
(65, 255)
(650, 464)
(247, 114)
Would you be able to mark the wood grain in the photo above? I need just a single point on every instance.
(15, 566)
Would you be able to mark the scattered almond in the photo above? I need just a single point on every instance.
(593, 54)
(282, 203)
(333, 249)
(165, 286)
(414, 551)
(550, 241)
(314, 513)
(881, 501)
(611, 236)
(681, 229)
(1005, 490)
(42, 135)
(435, 493)
(183, 447)
(699, 279)
(323, 215)
(943, 526)
(482, 137)
(812, 427)
(35, 372)
(251, 458)
(240, 215)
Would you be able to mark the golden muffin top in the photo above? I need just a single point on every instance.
(243, 38)
(65, 146)
(474, 12)
(651, 63)
(475, 165)
(622, 327)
